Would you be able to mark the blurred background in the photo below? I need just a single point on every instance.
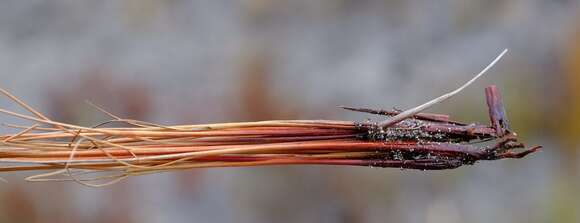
(178, 62)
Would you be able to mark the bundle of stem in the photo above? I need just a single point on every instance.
(407, 139)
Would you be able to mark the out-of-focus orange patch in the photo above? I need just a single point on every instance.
(570, 129)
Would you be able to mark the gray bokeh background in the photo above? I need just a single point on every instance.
(177, 62)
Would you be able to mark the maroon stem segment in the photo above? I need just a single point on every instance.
(497, 114)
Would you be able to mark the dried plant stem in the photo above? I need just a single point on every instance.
(407, 139)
